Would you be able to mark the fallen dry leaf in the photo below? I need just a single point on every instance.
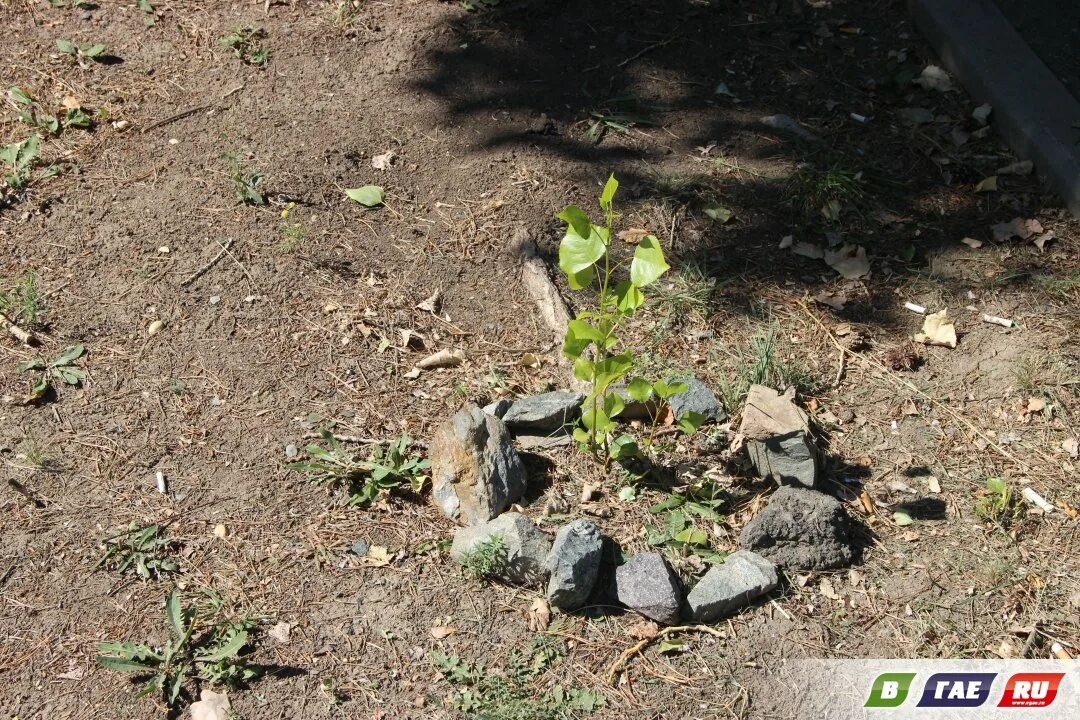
(645, 630)
(1071, 446)
(827, 589)
(1041, 240)
(933, 484)
(850, 261)
(377, 556)
(867, 503)
(1017, 227)
(443, 358)
(632, 235)
(937, 330)
(972, 243)
(809, 250)
(982, 113)
(211, 706)
(431, 304)
(384, 160)
(441, 631)
(280, 632)
(539, 615)
(835, 302)
(987, 184)
(934, 78)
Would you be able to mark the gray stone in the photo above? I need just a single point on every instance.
(525, 546)
(801, 529)
(476, 472)
(698, 398)
(787, 124)
(544, 413)
(778, 437)
(647, 584)
(360, 547)
(738, 581)
(499, 407)
(574, 564)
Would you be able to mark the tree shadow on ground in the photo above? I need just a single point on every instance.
(647, 90)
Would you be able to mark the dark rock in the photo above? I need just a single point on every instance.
(574, 563)
(698, 398)
(543, 413)
(738, 581)
(476, 472)
(778, 437)
(499, 407)
(360, 547)
(524, 545)
(647, 584)
(801, 529)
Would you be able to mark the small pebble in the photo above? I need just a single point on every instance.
(220, 531)
(155, 327)
(174, 141)
(164, 250)
(359, 548)
(290, 451)
(215, 299)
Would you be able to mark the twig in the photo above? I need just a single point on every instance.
(174, 118)
(199, 273)
(624, 658)
(362, 440)
(26, 338)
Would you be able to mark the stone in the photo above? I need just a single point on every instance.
(698, 398)
(648, 585)
(544, 413)
(360, 548)
(778, 437)
(574, 564)
(526, 547)
(801, 529)
(743, 577)
(476, 472)
(499, 407)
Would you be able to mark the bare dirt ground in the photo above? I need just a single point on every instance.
(488, 115)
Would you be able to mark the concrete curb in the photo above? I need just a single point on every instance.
(1032, 108)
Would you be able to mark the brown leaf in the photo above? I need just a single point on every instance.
(440, 631)
(632, 235)
(645, 630)
(539, 616)
(937, 330)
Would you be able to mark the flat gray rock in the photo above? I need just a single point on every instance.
(476, 472)
(647, 584)
(738, 581)
(778, 438)
(543, 413)
(499, 407)
(574, 564)
(698, 398)
(524, 545)
(801, 529)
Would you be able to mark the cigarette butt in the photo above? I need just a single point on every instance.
(995, 320)
(1038, 500)
(915, 308)
(1059, 652)
(161, 487)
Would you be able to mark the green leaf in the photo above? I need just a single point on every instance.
(594, 418)
(226, 651)
(20, 96)
(901, 518)
(584, 369)
(176, 684)
(627, 493)
(71, 375)
(32, 364)
(368, 195)
(692, 536)
(121, 664)
(581, 280)
(613, 405)
(609, 192)
(639, 389)
(66, 46)
(665, 391)
(69, 355)
(93, 51)
(691, 421)
(717, 212)
(996, 485)
(670, 503)
(648, 263)
(175, 612)
(579, 335)
(628, 297)
(145, 6)
(624, 447)
(672, 645)
(577, 219)
(40, 387)
(578, 252)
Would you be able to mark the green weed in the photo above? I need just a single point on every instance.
(81, 52)
(142, 548)
(247, 184)
(680, 532)
(824, 191)
(997, 503)
(365, 479)
(486, 558)
(761, 363)
(209, 649)
(62, 368)
(23, 303)
(245, 41)
(482, 693)
(295, 235)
